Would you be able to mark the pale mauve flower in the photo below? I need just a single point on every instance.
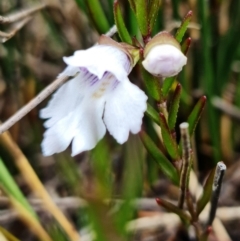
(98, 97)
(164, 60)
(163, 56)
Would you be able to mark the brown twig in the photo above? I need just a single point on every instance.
(216, 188)
(16, 27)
(186, 154)
(21, 14)
(32, 104)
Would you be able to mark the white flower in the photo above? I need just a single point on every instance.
(164, 60)
(163, 56)
(100, 96)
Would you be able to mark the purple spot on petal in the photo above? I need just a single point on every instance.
(94, 80)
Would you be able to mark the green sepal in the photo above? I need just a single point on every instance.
(174, 209)
(97, 15)
(132, 5)
(141, 16)
(152, 113)
(169, 142)
(122, 30)
(183, 28)
(167, 85)
(152, 84)
(164, 164)
(196, 114)
(152, 13)
(207, 192)
(185, 45)
(173, 107)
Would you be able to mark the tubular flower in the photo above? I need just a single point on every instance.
(99, 96)
(163, 56)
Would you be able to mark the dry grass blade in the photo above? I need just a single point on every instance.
(226, 107)
(32, 104)
(36, 186)
(16, 27)
(21, 14)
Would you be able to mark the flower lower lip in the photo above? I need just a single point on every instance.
(100, 97)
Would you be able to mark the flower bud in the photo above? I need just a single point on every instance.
(163, 56)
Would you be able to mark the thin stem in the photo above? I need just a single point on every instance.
(17, 26)
(186, 150)
(163, 108)
(21, 14)
(30, 220)
(216, 188)
(33, 103)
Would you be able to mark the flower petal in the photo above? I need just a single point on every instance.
(84, 126)
(58, 137)
(124, 110)
(164, 60)
(66, 98)
(90, 129)
(100, 59)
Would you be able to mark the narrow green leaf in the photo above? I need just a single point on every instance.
(185, 45)
(174, 209)
(141, 15)
(194, 117)
(152, 13)
(132, 180)
(152, 84)
(81, 5)
(132, 5)
(168, 140)
(152, 113)
(207, 192)
(183, 28)
(164, 164)
(12, 189)
(101, 162)
(196, 114)
(122, 30)
(227, 45)
(173, 108)
(167, 84)
(97, 15)
(208, 73)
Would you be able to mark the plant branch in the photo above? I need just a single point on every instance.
(16, 27)
(21, 14)
(186, 156)
(216, 188)
(33, 103)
